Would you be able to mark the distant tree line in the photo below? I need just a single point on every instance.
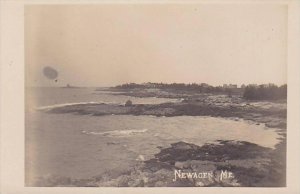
(130, 86)
(265, 92)
(250, 92)
(193, 87)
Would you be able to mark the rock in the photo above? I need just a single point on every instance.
(128, 103)
(136, 183)
(123, 181)
(199, 184)
(182, 146)
(159, 184)
(179, 165)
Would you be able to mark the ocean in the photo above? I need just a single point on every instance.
(83, 146)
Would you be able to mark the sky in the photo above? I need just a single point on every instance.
(111, 44)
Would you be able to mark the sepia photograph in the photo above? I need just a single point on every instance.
(155, 95)
(143, 97)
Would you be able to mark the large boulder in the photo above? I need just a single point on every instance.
(128, 103)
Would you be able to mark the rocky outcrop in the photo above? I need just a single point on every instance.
(273, 116)
(224, 163)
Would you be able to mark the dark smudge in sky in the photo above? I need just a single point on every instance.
(50, 73)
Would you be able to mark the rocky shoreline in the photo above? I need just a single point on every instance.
(270, 113)
(224, 164)
(250, 165)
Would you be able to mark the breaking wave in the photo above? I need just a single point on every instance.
(72, 104)
(117, 133)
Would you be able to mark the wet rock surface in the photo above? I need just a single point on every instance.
(223, 151)
(224, 163)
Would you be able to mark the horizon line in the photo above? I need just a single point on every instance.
(219, 85)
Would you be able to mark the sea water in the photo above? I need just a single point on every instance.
(83, 146)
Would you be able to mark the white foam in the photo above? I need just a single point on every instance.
(62, 105)
(140, 158)
(117, 133)
(72, 104)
